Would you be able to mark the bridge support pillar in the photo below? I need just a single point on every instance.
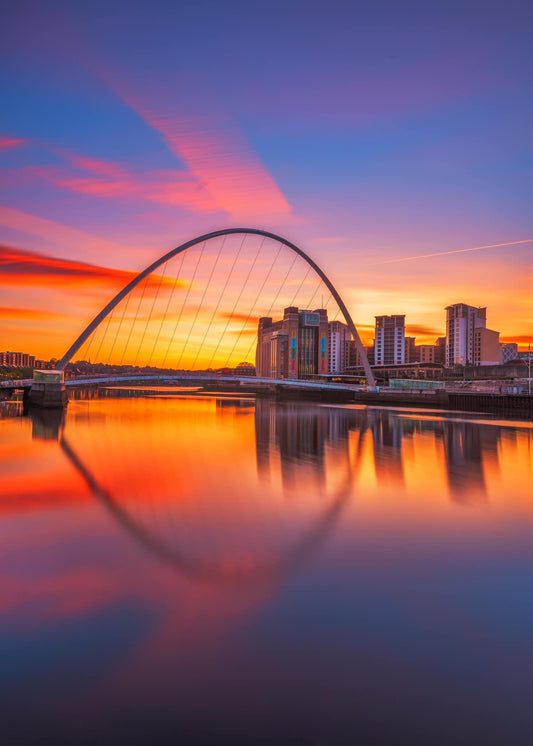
(48, 389)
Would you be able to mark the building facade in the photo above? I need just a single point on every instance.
(389, 343)
(486, 347)
(17, 360)
(440, 350)
(353, 358)
(339, 337)
(295, 347)
(411, 355)
(508, 352)
(425, 354)
(461, 323)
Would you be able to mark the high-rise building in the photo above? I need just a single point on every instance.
(389, 344)
(338, 338)
(295, 347)
(461, 322)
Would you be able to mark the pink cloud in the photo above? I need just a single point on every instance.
(220, 158)
(107, 180)
(11, 142)
(96, 166)
(216, 153)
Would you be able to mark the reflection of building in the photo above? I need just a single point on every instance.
(389, 343)
(300, 435)
(466, 444)
(388, 431)
(295, 347)
(339, 337)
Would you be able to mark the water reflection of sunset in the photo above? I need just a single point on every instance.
(259, 499)
(217, 457)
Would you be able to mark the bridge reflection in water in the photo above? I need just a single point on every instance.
(165, 486)
(257, 572)
(183, 484)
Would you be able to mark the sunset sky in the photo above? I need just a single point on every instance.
(391, 141)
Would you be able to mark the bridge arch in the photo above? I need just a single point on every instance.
(67, 357)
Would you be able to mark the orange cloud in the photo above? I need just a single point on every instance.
(521, 339)
(424, 331)
(27, 314)
(21, 266)
(245, 318)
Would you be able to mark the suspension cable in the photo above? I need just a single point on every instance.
(164, 317)
(146, 279)
(245, 283)
(271, 305)
(201, 303)
(156, 295)
(254, 303)
(222, 294)
(184, 301)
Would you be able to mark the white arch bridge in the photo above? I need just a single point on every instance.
(198, 306)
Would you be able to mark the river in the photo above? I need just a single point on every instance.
(178, 566)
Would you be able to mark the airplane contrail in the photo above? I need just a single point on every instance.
(454, 251)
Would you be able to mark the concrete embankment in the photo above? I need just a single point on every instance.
(513, 405)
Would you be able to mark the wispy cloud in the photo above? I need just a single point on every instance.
(104, 179)
(222, 171)
(96, 165)
(220, 158)
(521, 339)
(216, 153)
(11, 142)
(423, 331)
(60, 235)
(108, 180)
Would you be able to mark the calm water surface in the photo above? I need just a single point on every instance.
(220, 570)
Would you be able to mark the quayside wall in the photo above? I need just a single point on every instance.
(510, 405)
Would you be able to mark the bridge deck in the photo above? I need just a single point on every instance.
(17, 383)
(206, 378)
(199, 379)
